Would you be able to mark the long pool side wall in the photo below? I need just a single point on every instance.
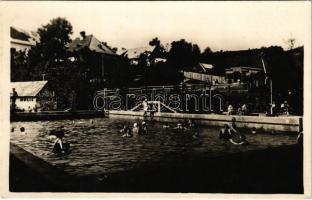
(266, 123)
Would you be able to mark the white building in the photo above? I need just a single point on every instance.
(22, 40)
(32, 95)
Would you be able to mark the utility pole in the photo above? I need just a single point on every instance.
(270, 82)
(43, 75)
(271, 96)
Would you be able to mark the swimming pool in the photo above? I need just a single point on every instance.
(97, 148)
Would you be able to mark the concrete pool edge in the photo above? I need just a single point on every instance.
(266, 123)
(59, 181)
(52, 178)
(55, 115)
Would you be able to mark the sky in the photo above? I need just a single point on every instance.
(218, 25)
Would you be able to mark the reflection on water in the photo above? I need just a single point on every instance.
(98, 148)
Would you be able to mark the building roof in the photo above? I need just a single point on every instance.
(136, 52)
(90, 42)
(237, 68)
(28, 88)
(206, 66)
(24, 36)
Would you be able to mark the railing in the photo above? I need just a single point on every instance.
(242, 87)
(147, 89)
(158, 105)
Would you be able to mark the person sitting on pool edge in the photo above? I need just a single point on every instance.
(242, 141)
(225, 133)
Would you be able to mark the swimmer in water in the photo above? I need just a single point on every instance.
(166, 125)
(179, 126)
(253, 131)
(225, 133)
(143, 128)
(23, 131)
(126, 131)
(193, 128)
(190, 123)
(59, 145)
(135, 128)
(233, 127)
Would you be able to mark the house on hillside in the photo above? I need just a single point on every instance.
(32, 96)
(23, 40)
(134, 54)
(99, 58)
(243, 74)
(204, 73)
(153, 54)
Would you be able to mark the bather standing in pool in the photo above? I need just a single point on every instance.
(126, 131)
(143, 129)
(59, 145)
(225, 133)
(135, 128)
(232, 127)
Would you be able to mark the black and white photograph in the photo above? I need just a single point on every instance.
(157, 97)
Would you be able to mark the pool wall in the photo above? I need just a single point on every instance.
(266, 123)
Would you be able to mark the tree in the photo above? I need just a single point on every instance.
(183, 55)
(291, 43)
(155, 42)
(207, 50)
(51, 50)
(19, 68)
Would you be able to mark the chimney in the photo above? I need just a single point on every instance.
(83, 34)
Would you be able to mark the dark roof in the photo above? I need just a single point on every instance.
(91, 43)
(24, 35)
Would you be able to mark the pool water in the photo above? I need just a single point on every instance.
(98, 148)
